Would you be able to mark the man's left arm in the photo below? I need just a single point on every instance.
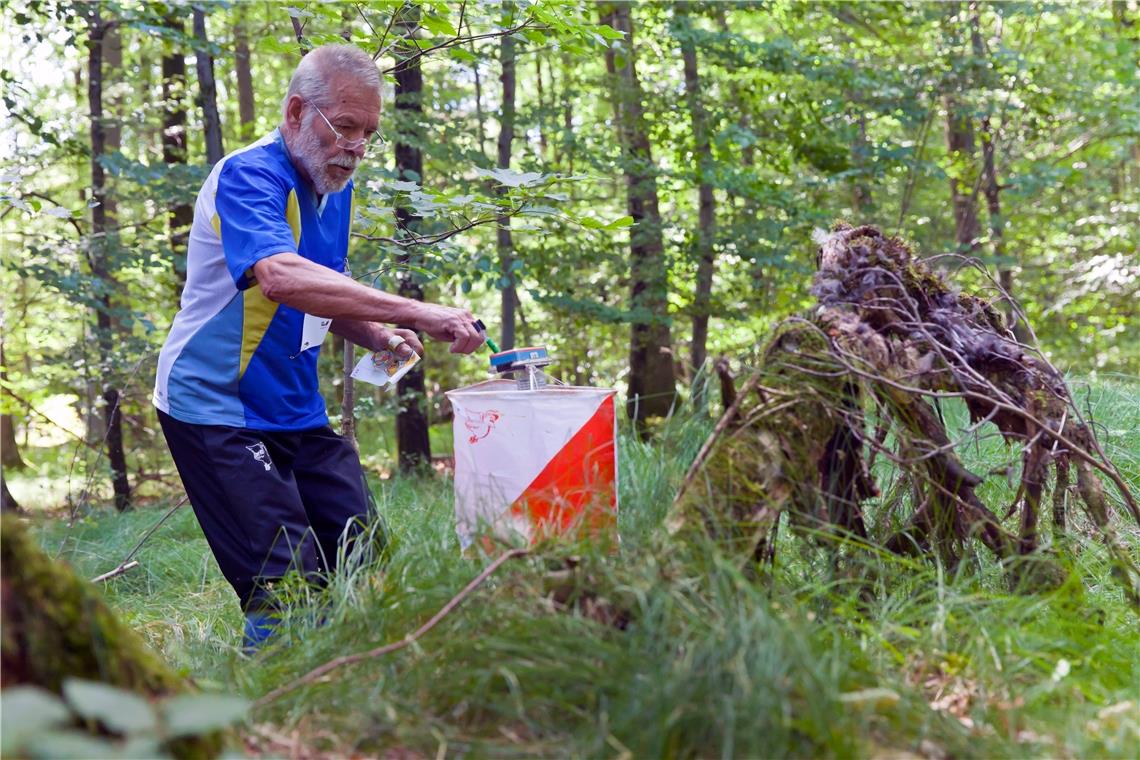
(375, 336)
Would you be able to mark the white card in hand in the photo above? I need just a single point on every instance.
(313, 332)
(384, 368)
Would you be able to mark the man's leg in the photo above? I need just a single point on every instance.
(331, 483)
(241, 486)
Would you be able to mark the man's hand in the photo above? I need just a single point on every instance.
(403, 349)
(450, 324)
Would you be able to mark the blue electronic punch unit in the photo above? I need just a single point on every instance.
(525, 363)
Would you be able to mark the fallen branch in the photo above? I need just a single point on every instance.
(126, 563)
(116, 572)
(323, 670)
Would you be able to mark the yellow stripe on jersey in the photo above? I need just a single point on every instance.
(293, 216)
(257, 313)
(217, 222)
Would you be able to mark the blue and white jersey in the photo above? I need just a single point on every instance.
(233, 356)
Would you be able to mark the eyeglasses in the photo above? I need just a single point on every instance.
(344, 143)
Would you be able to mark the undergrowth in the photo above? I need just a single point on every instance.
(714, 661)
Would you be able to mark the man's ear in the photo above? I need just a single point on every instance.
(293, 108)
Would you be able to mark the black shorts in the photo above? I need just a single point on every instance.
(270, 502)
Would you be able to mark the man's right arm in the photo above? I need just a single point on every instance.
(314, 289)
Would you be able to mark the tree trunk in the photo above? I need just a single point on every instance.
(960, 147)
(991, 188)
(8, 502)
(179, 215)
(207, 91)
(861, 189)
(348, 395)
(506, 137)
(706, 201)
(960, 150)
(412, 442)
(541, 120)
(100, 251)
(246, 112)
(566, 139)
(480, 127)
(10, 458)
(651, 374)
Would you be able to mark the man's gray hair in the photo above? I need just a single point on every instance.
(310, 79)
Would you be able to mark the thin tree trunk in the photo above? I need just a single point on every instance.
(179, 215)
(652, 386)
(860, 189)
(706, 201)
(991, 188)
(960, 149)
(480, 127)
(10, 458)
(246, 112)
(566, 140)
(538, 56)
(960, 146)
(412, 442)
(348, 395)
(99, 254)
(508, 296)
(207, 90)
(1126, 24)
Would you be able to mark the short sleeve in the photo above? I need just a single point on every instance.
(250, 203)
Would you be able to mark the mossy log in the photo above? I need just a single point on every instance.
(887, 341)
(55, 625)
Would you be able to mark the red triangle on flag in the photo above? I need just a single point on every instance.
(577, 488)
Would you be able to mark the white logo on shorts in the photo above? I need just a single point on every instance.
(261, 454)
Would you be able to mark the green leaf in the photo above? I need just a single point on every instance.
(621, 221)
(462, 54)
(142, 748)
(25, 710)
(72, 744)
(193, 714)
(511, 178)
(590, 223)
(439, 25)
(117, 709)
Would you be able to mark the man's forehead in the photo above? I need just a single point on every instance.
(346, 91)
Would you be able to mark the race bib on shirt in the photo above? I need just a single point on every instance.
(313, 332)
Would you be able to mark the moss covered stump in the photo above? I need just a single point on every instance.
(56, 626)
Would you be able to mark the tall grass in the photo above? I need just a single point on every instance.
(714, 662)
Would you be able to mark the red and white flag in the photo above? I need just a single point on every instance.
(534, 464)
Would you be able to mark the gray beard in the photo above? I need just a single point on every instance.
(310, 155)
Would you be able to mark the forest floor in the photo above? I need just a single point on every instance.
(712, 663)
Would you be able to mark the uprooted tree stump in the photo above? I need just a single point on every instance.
(861, 377)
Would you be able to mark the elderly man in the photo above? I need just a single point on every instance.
(273, 487)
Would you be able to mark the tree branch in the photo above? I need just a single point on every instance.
(454, 41)
(319, 672)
